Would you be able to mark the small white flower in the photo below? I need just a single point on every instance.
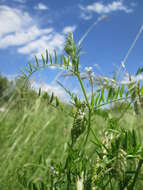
(79, 182)
(2, 109)
(105, 79)
(88, 70)
(82, 114)
(113, 81)
(92, 74)
(52, 168)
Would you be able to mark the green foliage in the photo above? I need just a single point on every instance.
(4, 88)
(139, 71)
(118, 157)
(110, 158)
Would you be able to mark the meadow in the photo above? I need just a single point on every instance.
(39, 132)
(93, 143)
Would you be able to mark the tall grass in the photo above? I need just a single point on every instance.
(27, 134)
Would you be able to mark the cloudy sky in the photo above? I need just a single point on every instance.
(28, 27)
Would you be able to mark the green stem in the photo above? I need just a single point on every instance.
(139, 94)
(89, 110)
(88, 129)
(83, 90)
(131, 187)
(92, 89)
(111, 186)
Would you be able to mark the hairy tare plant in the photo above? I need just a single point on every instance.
(117, 156)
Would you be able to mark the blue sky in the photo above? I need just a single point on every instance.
(28, 27)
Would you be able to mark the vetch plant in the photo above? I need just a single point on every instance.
(117, 158)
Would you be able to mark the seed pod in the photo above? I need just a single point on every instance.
(78, 127)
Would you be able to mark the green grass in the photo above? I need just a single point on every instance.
(40, 130)
(27, 134)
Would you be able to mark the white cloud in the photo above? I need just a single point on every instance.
(50, 42)
(134, 78)
(86, 16)
(23, 37)
(38, 46)
(19, 29)
(50, 88)
(13, 20)
(68, 29)
(41, 7)
(100, 8)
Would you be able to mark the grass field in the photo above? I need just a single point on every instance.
(94, 143)
(40, 130)
(27, 134)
